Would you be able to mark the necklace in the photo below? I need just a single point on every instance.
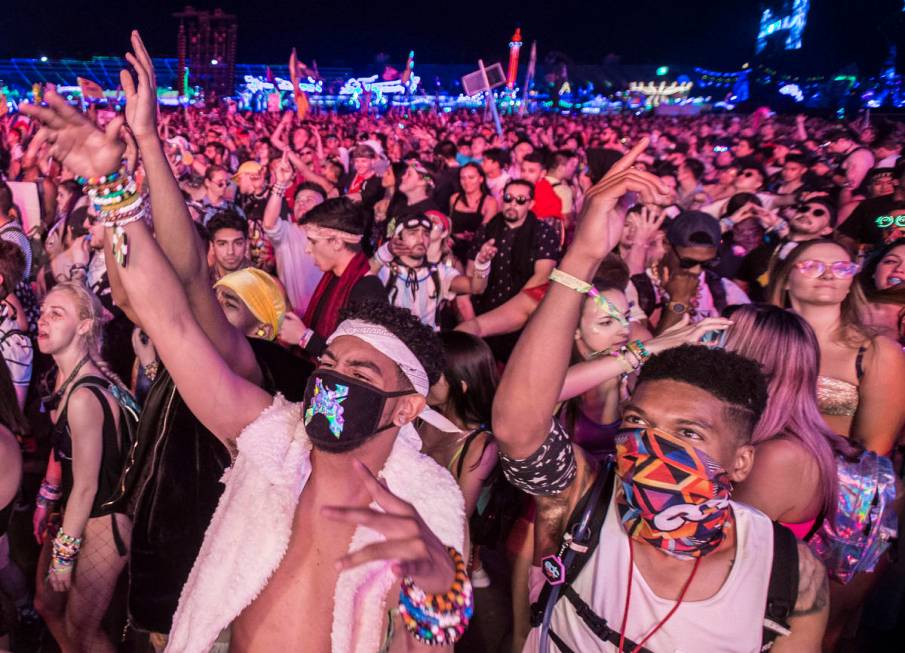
(628, 600)
(51, 401)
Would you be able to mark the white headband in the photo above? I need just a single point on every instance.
(388, 344)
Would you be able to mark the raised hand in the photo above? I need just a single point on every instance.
(410, 544)
(141, 97)
(487, 252)
(600, 226)
(284, 173)
(75, 141)
(684, 333)
(648, 223)
(292, 329)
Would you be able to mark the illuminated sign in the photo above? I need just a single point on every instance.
(257, 84)
(793, 91)
(358, 85)
(658, 92)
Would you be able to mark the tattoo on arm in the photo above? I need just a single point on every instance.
(813, 585)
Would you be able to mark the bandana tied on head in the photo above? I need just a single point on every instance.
(260, 293)
(674, 497)
(389, 345)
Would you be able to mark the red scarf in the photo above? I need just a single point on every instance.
(329, 316)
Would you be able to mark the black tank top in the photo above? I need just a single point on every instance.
(464, 226)
(112, 453)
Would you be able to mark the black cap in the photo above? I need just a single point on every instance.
(691, 228)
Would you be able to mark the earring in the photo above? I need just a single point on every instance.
(260, 332)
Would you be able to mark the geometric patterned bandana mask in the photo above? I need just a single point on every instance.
(674, 497)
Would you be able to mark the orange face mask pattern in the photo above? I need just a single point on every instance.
(674, 497)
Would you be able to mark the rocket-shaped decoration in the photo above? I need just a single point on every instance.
(515, 45)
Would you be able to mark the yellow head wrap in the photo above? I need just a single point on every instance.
(261, 294)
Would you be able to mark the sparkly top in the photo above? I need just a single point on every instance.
(836, 397)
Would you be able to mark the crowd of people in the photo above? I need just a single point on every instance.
(316, 382)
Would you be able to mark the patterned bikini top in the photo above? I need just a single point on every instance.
(838, 397)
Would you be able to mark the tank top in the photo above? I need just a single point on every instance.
(838, 397)
(697, 625)
(112, 454)
(464, 222)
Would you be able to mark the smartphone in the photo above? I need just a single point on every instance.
(715, 338)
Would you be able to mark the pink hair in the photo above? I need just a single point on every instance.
(787, 350)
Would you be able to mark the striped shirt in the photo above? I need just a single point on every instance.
(12, 232)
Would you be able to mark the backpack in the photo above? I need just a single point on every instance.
(499, 503)
(865, 521)
(581, 538)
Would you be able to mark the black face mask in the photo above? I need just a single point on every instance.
(342, 413)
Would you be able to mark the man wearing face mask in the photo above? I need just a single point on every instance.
(420, 285)
(650, 554)
(693, 286)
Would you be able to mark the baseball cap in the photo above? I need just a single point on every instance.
(249, 167)
(691, 228)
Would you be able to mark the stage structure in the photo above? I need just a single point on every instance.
(206, 46)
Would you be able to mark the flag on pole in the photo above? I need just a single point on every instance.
(90, 89)
(296, 70)
(529, 78)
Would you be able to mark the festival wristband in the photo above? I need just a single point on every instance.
(482, 267)
(306, 338)
(570, 282)
(639, 350)
(438, 619)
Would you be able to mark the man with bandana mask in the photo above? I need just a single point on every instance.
(671, 556)
(368, 562)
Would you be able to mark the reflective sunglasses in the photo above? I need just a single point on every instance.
(509, 199)
(839, 269)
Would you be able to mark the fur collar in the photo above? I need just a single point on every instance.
(249, 533)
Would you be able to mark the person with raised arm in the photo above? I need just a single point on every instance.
(172, 482)
(664, 513)
(269, 554)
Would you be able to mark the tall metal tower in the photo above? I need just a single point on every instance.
(206, 45)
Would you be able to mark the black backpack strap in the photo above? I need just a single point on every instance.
(782, 592)
(579, 543)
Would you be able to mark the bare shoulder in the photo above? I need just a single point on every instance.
(885, 350)
(813, 585)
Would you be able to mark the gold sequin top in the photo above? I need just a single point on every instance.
(837, 397)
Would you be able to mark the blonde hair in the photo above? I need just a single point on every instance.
(88, 307)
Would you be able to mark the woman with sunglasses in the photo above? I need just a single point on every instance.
(882, 281)
(862, 375)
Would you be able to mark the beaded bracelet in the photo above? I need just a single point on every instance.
(438, 619)
(639, 350)
(48, 495)
(118, 202)
(279, 189)
(65, 549)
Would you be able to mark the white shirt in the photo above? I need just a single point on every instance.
(295, 267)
(731, 621)
(706, 308)
(426, 299)
(497, 185)
(16, 348)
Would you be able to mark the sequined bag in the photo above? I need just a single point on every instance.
(865, 521)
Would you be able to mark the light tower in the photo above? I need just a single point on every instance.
(515, 45)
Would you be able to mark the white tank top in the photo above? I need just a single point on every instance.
(731, 621)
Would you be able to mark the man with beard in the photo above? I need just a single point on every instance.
(652, 554)
(527, 251)
(420, 285)
(813, 218)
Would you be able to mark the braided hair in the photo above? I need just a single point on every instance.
(90, 308)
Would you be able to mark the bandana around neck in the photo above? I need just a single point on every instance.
(674, 497)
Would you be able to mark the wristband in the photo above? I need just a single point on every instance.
(306, 338)
(483, 267)
(570, 282)
(639, 350)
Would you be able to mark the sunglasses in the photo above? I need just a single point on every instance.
(418, 223)
(817, 212)
(839, 269)
(221, 184)
(509, 199)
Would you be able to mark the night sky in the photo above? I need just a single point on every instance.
(715, 34)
